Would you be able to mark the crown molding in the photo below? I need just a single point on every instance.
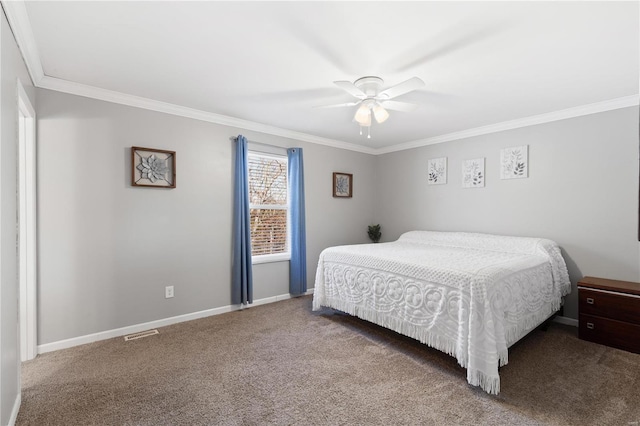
(594, 108)
(18, 18)
(93, 92)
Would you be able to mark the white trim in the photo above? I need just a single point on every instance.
(566, 321)
(18, 18)
(27, 187)
(15, 410)
(136, 101)
(23, 101)
(270, 258)
(22, 236)
(118, 332)
(1, 295)
(273, 299)
(285, 255)
(266, 149)
(594, 108)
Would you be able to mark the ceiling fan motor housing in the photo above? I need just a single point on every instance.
(369, 85)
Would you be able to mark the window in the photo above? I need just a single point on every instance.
(268, 207)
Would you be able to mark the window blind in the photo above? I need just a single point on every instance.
(268, 204)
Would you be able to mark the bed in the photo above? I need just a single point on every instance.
(469, 295)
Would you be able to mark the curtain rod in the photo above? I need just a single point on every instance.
(233, 139)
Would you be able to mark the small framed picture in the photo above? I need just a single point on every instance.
(473, 173)
(437, 171)
(153, 167)
(514, 162)
(342, 185)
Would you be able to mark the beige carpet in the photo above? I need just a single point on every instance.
(283, 364)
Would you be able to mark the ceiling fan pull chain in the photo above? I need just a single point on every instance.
(360, 130)
(369, 132)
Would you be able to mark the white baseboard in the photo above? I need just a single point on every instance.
(109, 334)
(16, 409)
(566, 321)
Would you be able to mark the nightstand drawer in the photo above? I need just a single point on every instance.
(610, 332)
(622, 307)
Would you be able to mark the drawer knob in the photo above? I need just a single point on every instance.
(590, 300)
(590, 326)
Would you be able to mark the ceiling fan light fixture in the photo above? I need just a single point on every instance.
(363, 115)
(380, 113)
(371, 97)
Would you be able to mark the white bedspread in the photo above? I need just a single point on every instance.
(469, 295)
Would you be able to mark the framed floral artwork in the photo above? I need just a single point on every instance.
(342, 185)
(473, 173)
(154, 168)
(514, 162)
(437, 171)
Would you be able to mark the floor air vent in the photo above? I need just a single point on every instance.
(140, 335)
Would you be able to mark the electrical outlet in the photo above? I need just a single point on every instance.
(168, 292)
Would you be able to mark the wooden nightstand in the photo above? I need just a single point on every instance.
(610, 312)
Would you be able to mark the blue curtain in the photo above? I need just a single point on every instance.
(241, 275)
(298, 262)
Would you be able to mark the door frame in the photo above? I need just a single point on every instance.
(27, 228)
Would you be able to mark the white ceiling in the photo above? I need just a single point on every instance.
(272, 62)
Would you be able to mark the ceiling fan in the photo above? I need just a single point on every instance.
(374, 101)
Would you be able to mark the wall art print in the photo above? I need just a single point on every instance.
(342, 185)
(514, 162)
(437, 171)
(473, 173)
(153, 167)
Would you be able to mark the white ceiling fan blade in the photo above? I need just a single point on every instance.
(348, 104)
(350, 88)
(402, 88)
(399, 106)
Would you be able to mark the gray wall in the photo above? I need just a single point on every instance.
(12, 68)
(107, 250)
(582, 192)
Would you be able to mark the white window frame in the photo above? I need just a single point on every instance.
(277, 257)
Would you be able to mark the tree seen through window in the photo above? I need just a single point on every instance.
(268, 204)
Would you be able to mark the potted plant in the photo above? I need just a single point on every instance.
(374, 233)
